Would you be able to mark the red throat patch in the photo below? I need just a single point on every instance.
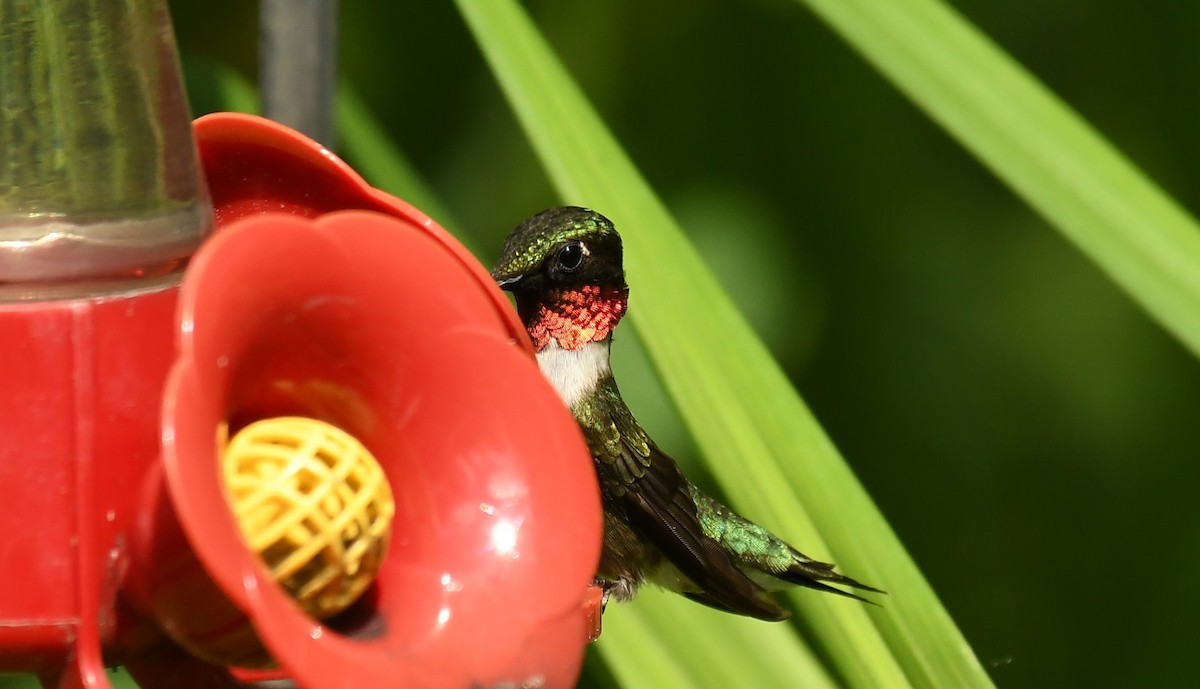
(575, 317)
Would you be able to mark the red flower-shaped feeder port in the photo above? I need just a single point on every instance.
(322, 297)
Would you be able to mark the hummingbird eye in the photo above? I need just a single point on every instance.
(570, 257)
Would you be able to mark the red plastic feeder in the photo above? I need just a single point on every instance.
(317, 296)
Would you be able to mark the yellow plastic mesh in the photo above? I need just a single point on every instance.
(314, 504)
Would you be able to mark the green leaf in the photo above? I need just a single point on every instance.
(1042, 149)
(694, 647)
(759, 439)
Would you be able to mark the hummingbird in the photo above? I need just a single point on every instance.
(565, 269)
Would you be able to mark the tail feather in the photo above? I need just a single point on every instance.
(818, 575)
(767, 559)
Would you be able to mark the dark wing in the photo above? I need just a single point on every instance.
(653, 494)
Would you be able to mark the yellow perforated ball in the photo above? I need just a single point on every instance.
(314, 504)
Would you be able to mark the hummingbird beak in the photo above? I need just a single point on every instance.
(506, 283)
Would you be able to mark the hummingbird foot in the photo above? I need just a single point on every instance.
(621, 589)
(606, 587)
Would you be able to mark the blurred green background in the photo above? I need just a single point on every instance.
(1030, 434)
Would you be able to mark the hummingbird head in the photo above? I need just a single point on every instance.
(561, 248)
(564, 267)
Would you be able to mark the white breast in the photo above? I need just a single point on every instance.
(574, 374)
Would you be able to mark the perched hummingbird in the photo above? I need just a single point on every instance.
(564, 267)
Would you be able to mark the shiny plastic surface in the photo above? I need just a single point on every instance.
(80, 394)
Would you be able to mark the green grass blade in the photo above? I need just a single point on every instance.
(758, 437)
(637, 656)
(766, 656)
(673, 644)
(1042, 149)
